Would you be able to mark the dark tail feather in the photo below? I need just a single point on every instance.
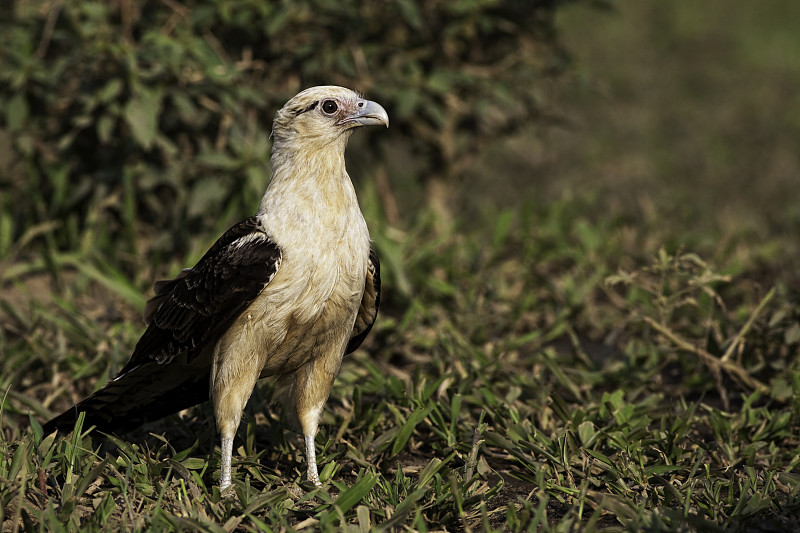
(143, 394)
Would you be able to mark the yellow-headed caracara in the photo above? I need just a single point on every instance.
(286, 293)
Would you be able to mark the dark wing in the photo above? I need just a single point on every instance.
(145, 393)
(202, 302)
(368, 311)
(164, 374)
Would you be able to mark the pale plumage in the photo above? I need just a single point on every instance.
(287, 292)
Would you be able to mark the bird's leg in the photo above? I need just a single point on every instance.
(230, 389)
(225, 463)
(313, 384)
(309, 418)
(311, 459)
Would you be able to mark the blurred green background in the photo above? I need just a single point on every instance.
(683, 113)
(140, 118)
(130, 122)
(690, 110)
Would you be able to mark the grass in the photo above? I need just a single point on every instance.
(622, 358)
(526, 384)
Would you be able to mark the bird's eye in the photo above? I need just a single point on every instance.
(329, 107)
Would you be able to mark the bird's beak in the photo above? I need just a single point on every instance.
(369, 113)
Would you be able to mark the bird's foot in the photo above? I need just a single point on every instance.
(313, 477)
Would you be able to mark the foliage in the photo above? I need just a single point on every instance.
(159, 113)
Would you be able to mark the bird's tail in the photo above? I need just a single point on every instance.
(142, 394)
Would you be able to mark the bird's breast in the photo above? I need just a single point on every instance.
(309, 308)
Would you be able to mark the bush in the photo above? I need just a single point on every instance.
(137, 115)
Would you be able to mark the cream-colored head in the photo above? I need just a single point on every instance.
(310, 135)
(319, 117)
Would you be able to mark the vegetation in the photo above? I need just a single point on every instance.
(128, 106)
(607, 335)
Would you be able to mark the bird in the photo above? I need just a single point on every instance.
(287, 293)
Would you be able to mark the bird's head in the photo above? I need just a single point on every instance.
(320, 116)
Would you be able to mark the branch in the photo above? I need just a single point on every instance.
(746, 328)
(716, 365)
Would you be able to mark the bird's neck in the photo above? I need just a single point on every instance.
(304, 177)
(310, 193)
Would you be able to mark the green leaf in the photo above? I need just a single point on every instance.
(110, 91)
(662, 469)
(105, 127)
(194, 463)
(586, 432)
(792, 334)
(431, 469)
(18, 461)
(502, 227)
(410, 13)
(141, 112)
(416, 417)
(16, 112)
(36, 427)
(351, 496)
(403, 509)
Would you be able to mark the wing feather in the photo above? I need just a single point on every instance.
(370, 302)
(187, 313)
(198, 305)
